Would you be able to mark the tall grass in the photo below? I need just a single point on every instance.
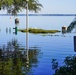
(34, 30)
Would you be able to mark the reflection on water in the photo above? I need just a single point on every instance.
(12, 61)
(8, 30)
(27, 50)
(13, 57)
(68, 68)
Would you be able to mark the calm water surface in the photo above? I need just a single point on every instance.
(52, 46)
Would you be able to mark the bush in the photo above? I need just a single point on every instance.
(68, 69)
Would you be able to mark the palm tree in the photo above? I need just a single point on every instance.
(15, 6)
(71, 26)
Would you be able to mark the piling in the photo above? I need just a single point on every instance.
(75, 43)
(16, 20)
(64, 29)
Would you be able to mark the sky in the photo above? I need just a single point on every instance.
(55, 7)
(58, 6)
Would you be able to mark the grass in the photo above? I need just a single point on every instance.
(37, 31)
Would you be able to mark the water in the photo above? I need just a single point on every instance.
(51, 46)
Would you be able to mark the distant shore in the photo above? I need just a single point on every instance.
(37, 31)
(40, 14)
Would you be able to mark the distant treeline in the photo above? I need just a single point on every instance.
(40, 15)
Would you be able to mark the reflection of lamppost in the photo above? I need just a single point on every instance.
(27, 58)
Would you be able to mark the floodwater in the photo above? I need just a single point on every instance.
(42, 48)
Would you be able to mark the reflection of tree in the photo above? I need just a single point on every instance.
(12, 61)
(33, 56)
(69, 67)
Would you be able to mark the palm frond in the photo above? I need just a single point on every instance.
(15, 6)
(71, 26)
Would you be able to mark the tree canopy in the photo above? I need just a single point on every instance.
(15, 6)
(71, 26)
(69, 67)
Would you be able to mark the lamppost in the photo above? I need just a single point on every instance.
(27, 14)
(27, 57)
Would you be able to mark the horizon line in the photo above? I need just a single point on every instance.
(39, 15)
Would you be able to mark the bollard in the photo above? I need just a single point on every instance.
(64, 29)
(16, 21)
(15, 31)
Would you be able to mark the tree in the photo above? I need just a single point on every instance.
(71, 26)
(15, 6)
(12, 61)
(69, 67)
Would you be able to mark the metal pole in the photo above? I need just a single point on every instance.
(27, 15)
(27, 57)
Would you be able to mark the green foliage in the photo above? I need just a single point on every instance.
(7, 2)
(54, 64)
(68, 69)
(15, 6)
(34, 5)
(71, 26)
(34, 30)
(13, 62)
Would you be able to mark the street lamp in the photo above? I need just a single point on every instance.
(27, 14)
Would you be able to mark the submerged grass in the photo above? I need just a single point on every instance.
(37, 31)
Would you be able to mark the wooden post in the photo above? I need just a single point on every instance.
(75, 43)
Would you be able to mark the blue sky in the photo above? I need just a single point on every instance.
(56, 7)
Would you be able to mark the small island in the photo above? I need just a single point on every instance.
(38, 31)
